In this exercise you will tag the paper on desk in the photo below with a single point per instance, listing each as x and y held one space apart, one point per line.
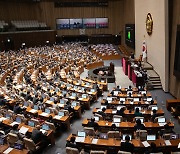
179 145
57 117
80 99
94 141
146 144
44 114
14 123
167 142
162 124
43 131
23 130
33 111
99 110
61 105
2 118
8 150
114 111
49 102
80 139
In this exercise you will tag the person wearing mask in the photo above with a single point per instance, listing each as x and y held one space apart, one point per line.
127 146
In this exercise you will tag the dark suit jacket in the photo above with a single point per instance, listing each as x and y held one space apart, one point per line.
126 146
37 136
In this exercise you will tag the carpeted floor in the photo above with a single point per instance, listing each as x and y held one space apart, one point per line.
121 80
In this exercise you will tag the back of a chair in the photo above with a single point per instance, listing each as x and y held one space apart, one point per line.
70 150
156 119
36 122
30 145
113 134
142 134
166 136
12 138
89 131
98 115
97 152
123 152
51 126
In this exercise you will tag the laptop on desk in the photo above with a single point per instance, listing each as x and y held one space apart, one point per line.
162 121
151 137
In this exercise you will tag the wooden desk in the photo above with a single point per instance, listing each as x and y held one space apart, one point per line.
115 144
126 125
130 115
172 103
14 151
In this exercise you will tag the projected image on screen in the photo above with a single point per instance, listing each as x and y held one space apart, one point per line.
89 23
76 23
62 24
101 22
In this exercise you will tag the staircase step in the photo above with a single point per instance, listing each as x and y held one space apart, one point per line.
155 82
157 87
154 79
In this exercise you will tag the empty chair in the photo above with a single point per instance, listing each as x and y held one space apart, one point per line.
12 138
30 145
113 134
123 152
141 134
70 150
98 152
89 131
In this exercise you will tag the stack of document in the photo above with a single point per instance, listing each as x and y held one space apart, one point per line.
23 130
146 144
80 139
57 117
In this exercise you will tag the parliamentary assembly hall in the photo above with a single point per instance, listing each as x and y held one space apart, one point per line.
89 76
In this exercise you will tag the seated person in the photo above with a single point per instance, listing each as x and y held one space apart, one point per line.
120 112
154 115
139 125
167 130
92 123
35 116
127 146
177 111
68 107
72 143
16 131
103 112
152 149
37 136
17 109
129 88
137 113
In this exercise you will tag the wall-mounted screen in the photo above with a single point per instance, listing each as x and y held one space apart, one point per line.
89 23
62 24
130 35
76 23
101 22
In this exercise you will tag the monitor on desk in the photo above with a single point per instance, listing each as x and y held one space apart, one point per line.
47 110
174 136
26 104
96 118
73 95
45 127
18 119
109 98
52 99
84 96
8 116
61 113
151 137
149 99
61 101
116 120
122 99
154 108
116 93
103 136
161 120
136 99
36 107
74 104
31 123
81 134
103 106
124 136
93 90
143 92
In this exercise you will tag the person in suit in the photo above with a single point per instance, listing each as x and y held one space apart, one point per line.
92 123
28 96
120 112
35 99
137 113
17 109
103 112
152 149
37 136
139 125
127 146
154 115
68 107
72 143
16 131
